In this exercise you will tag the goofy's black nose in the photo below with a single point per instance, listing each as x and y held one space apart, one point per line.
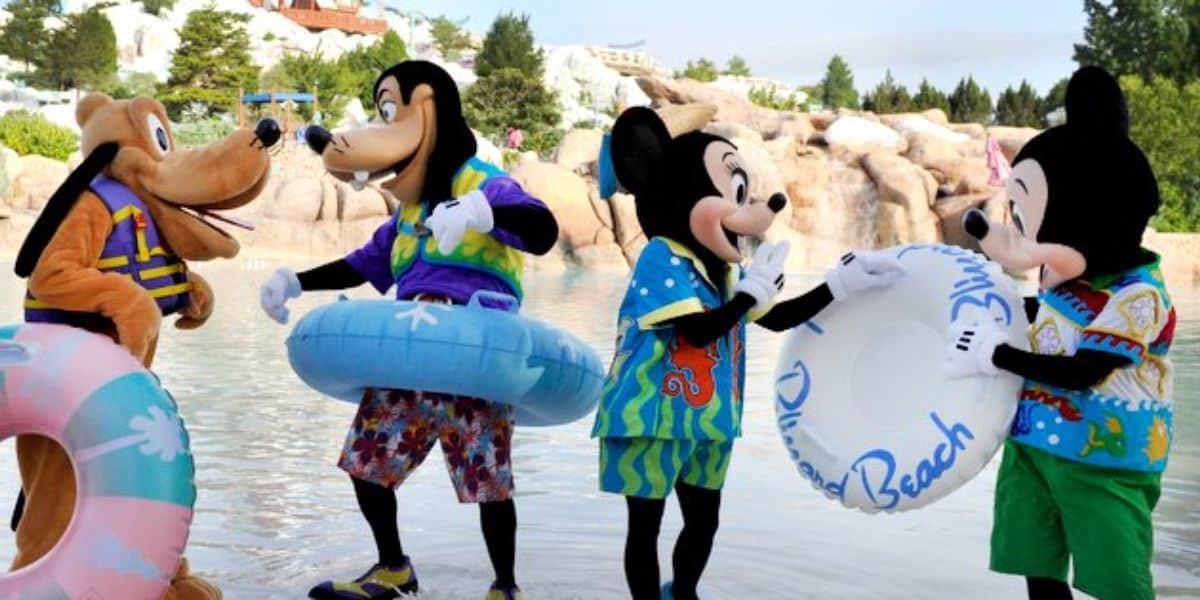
268 132
317 137
777 202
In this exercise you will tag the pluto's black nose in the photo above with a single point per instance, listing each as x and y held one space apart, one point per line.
317 137
268 132
777 202
976 223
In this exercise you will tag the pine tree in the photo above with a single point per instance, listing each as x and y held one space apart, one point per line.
510 98
1020 107
737 67
888 97
1055 99
837 89
509 45
363 65
702 70
448 37
1140 37
82 54
970 103
24 37
211 62
929 97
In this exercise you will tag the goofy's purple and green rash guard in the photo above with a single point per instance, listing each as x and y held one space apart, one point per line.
397 255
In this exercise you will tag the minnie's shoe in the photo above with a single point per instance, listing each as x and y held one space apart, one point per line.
379 583
499 592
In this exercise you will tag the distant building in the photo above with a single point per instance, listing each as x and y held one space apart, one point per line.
318 16
626 62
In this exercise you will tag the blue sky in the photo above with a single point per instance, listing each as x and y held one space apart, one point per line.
999 42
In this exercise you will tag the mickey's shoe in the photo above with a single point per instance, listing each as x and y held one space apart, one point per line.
499 592
379 583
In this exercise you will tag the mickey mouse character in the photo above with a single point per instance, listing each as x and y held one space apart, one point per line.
462 226
1082 468
672 404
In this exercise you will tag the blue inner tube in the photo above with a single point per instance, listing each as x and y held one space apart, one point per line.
550 376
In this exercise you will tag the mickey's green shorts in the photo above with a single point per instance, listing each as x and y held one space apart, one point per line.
649 467
1051 511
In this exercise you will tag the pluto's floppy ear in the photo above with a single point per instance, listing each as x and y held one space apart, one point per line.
60 204
638 147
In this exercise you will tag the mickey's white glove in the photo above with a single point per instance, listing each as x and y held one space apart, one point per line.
971 347
450 220
764 278
274 294
862 271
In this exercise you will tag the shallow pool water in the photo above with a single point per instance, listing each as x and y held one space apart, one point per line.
275 516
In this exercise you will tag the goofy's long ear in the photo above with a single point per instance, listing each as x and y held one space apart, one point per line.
639 144
60 204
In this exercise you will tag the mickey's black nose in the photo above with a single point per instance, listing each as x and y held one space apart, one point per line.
777 202
268 132
976 223
317 137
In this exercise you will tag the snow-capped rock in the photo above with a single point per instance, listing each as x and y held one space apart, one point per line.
585 87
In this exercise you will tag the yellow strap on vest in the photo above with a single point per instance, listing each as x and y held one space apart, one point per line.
139 228
115 262
171 290
157 272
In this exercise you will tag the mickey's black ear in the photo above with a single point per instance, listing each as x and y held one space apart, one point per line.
639 142
1095 104
59 204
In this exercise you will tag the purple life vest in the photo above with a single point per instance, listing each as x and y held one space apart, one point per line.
133 250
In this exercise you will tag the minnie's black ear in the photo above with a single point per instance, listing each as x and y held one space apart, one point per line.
61 203
1095 104
639 142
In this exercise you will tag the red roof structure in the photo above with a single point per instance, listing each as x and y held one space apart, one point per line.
311 16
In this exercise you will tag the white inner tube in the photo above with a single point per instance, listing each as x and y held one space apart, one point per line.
862 404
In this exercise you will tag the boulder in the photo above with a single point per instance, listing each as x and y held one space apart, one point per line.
579 149
730 106
1011 139
857 135
799 127
822 120
38 178
974 130
357 205
628 230
733 131
941 158
916 125
906 193
584 85
297 200
936 115
568 197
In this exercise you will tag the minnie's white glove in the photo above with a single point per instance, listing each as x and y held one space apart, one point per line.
450 220
971 347
274 294
862 271
764 278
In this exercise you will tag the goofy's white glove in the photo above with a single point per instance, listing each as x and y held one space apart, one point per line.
862 271
450 220
764 278
274 294
971 347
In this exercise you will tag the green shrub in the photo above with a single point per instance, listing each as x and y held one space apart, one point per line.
1162 119
770 97
543 141
28 133
199 133
269 36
